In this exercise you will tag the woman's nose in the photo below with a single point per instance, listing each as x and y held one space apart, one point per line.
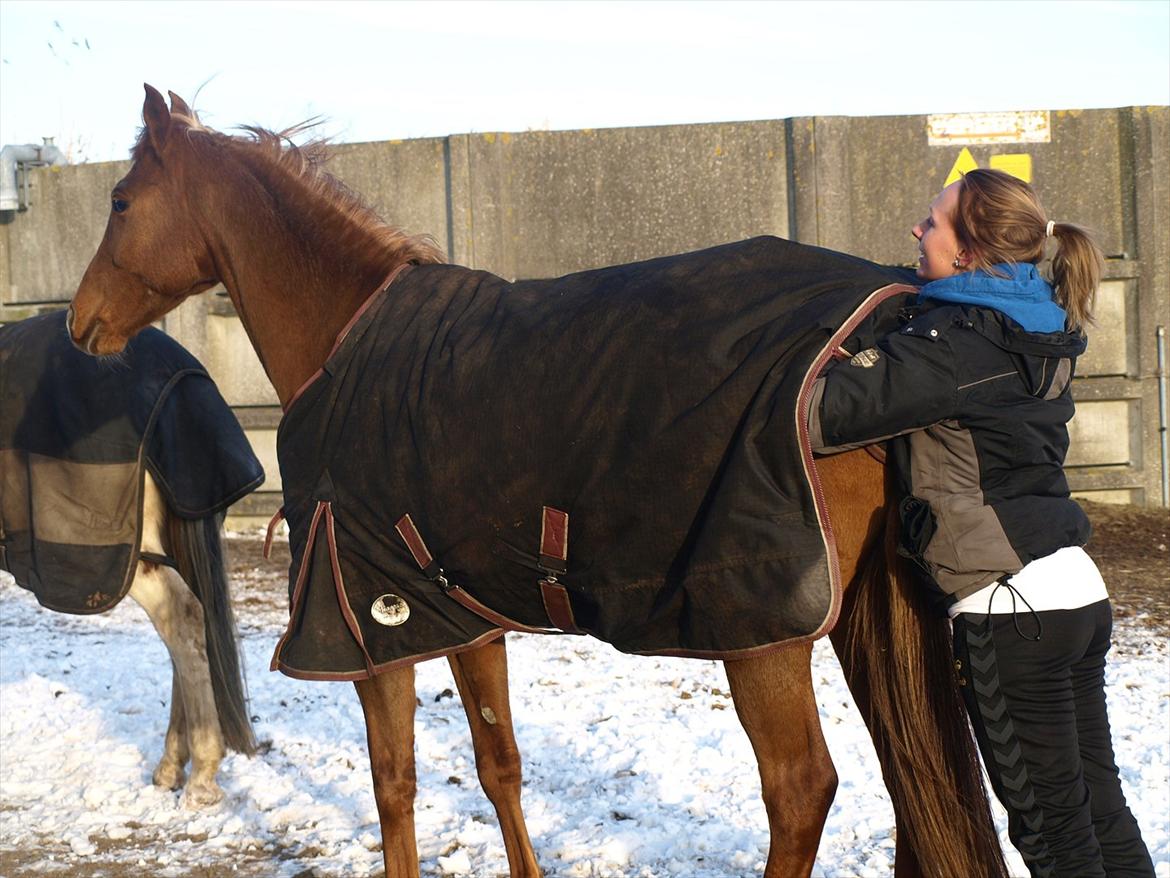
917 231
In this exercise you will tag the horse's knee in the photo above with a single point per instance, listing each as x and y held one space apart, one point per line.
394 792
798 794
499 768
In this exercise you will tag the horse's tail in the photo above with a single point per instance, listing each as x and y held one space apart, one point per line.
901 650
197 549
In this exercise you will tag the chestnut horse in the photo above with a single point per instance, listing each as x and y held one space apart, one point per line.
298 254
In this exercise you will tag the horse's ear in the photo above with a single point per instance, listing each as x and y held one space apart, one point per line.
157 118
179 106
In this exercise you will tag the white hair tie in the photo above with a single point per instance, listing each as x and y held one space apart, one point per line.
1048 229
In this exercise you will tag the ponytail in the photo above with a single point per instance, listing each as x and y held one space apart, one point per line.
1076 272
999 220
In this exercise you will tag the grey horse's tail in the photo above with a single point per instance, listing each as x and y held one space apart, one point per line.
197 549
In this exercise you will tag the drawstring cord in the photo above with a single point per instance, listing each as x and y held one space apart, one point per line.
1003 583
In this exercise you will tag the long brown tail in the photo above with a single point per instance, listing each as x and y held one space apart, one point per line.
898 649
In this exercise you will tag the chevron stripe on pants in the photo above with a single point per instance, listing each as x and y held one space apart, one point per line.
1038 711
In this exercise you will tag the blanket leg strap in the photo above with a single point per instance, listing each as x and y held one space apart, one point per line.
431 569
554 561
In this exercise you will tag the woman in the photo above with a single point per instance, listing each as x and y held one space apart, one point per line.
975 386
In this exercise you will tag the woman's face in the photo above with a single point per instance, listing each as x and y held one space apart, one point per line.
938 248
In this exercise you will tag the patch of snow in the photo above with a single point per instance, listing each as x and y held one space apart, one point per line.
633 767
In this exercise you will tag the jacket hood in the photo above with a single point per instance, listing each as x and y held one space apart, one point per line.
1015 289
1032 353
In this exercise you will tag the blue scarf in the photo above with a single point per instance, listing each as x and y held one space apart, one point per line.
1022 294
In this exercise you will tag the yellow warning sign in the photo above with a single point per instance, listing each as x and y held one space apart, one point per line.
1018 164
964 163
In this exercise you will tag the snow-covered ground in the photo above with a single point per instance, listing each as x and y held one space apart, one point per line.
633 766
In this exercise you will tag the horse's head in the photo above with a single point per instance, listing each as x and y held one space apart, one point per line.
153 254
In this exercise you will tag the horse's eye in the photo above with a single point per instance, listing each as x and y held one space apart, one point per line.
119 205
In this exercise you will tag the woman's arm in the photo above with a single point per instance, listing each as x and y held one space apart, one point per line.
904 383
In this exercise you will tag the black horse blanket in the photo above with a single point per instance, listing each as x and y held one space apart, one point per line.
76 436
620 452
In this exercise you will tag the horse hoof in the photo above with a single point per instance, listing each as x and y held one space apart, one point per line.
199 796
168 776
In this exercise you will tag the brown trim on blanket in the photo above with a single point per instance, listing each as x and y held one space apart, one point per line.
406 661
732 655
339 586
299 588
365 306
485 612
802 404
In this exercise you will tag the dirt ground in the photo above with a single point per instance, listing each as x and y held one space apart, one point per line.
1130 544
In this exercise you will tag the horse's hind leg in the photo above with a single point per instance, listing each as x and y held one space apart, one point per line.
170 772
388 702
194 726
774 699
482 677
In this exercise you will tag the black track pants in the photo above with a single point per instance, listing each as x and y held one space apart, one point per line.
1038 710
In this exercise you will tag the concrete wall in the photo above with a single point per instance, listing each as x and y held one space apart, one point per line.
541 204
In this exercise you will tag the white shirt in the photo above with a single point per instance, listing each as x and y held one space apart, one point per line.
1065 580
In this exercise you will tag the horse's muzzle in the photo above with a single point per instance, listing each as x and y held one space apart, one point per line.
87 343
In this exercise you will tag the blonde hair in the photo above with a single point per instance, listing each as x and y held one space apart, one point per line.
999 219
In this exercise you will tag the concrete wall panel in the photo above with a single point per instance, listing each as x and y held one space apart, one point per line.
51 243
1108 351
542 204
404 181
232 362
1101 433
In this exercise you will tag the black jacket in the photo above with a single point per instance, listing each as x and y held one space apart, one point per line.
980 407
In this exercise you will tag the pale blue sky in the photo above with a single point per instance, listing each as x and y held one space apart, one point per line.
389 70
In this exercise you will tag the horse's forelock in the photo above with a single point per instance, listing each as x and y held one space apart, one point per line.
190 124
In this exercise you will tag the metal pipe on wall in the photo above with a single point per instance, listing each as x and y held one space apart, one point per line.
1161 335
15 160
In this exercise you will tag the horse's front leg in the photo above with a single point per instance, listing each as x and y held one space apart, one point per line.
194 726
388 702
774 698
482 677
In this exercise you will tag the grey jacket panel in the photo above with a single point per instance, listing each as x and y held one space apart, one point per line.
970 548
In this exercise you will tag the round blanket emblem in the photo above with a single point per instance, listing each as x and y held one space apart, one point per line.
390 609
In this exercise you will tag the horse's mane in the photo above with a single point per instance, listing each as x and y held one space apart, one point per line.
297 175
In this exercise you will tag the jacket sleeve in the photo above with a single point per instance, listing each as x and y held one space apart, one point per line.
905 383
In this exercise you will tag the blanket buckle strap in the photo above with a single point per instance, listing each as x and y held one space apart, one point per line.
553 560
432 571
